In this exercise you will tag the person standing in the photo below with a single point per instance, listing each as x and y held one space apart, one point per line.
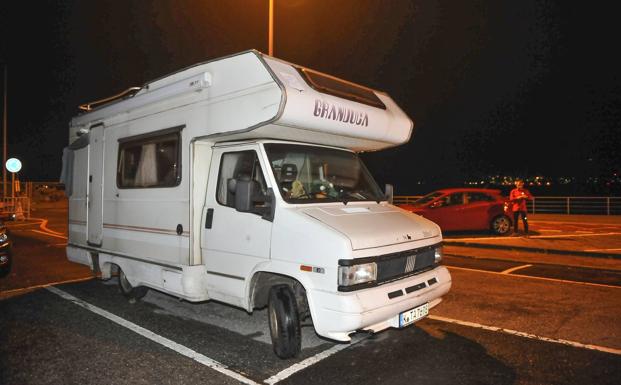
518 197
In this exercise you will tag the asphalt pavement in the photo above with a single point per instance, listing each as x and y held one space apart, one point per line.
512 316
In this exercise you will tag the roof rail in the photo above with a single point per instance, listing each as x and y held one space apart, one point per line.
128 92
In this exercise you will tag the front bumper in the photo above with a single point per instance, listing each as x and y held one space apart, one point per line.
337 315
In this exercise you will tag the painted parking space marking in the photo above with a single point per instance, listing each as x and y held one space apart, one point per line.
575 235
22 290
528 335
183 350
49 234
603 249
310 361
534 277
509 238
511 270
573 223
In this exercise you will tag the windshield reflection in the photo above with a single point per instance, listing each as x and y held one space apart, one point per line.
308 174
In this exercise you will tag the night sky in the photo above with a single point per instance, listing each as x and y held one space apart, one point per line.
494 87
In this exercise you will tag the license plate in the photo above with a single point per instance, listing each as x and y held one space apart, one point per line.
413 315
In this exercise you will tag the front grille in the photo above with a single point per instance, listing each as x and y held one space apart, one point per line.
409 262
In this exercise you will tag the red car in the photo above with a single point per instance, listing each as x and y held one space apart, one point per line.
460 209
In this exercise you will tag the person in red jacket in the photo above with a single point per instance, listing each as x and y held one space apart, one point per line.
518 197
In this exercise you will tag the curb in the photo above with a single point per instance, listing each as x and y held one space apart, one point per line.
534 249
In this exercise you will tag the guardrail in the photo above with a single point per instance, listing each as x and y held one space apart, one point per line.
557 205
576 205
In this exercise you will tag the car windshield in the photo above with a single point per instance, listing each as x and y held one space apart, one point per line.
308 174
427 198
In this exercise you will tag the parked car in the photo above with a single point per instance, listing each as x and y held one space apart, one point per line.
460 209
6 258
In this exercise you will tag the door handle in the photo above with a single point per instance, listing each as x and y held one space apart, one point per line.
209 218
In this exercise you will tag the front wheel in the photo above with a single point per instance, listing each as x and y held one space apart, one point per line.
128 290
501 225
284 321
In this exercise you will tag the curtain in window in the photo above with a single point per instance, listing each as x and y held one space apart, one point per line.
147 166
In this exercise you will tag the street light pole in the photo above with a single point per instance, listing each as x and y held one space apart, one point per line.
271 30
4 120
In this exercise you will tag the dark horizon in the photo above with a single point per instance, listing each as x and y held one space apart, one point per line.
494 88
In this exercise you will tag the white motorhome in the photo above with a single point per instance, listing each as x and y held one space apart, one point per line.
238 180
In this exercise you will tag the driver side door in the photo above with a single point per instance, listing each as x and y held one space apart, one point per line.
232 242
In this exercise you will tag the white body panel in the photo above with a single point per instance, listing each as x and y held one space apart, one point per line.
159 237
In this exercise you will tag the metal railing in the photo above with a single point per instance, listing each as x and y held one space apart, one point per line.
557 205
576 205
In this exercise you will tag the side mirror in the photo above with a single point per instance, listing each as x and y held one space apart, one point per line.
250 199
389 193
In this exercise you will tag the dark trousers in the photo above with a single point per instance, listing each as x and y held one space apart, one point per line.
516 216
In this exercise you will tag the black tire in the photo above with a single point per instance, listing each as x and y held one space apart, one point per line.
284 321
501 225
128 290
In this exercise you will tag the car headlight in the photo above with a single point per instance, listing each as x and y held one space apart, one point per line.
357 274
3 237
439 253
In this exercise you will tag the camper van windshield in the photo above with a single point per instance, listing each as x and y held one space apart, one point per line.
307 174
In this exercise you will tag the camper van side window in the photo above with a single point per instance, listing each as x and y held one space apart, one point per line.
149 162
240 165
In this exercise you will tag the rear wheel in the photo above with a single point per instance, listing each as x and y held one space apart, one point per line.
501 225
128 290
284 321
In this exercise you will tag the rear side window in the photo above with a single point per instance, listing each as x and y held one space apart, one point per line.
149 161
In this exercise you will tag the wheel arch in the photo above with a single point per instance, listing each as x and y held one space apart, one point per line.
261 283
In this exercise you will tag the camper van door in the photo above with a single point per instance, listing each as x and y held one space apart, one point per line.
233 243
95 185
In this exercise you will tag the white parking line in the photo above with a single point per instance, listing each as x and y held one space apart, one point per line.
574 235
31 288
511 270
572 223
49 234
185 351
509 238
602 250
215 365
528 335
309 361
533 277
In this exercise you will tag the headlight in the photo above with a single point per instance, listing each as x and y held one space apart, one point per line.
438 255
356 274
3 237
